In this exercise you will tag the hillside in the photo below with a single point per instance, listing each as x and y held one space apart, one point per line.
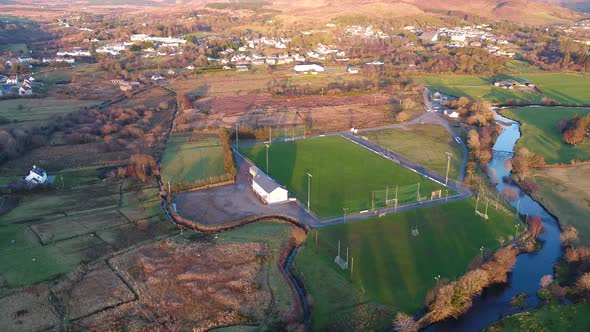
526 11
521 11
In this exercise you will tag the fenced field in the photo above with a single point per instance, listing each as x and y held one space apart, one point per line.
343 175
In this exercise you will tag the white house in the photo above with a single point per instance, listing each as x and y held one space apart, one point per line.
266 188
452 114
352 70
309 68
36 176
25 90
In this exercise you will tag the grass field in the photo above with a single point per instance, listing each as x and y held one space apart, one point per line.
35 111
569 89
344 174
15 48
46 234
551 317
540 133
565 88
391 266
566 193
423 144
189 157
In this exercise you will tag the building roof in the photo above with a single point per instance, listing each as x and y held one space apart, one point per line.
266 183
39 171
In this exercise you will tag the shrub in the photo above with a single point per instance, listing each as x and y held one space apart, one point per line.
583 282
536 226
546 280
405 323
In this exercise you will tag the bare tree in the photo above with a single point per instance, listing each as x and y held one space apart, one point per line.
569 236
405 323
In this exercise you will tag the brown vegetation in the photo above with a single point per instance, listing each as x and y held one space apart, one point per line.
524 160
575 131
455 298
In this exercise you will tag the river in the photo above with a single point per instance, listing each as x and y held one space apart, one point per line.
495 302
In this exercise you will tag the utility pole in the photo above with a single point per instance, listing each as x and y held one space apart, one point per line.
449 155
309 176
418 193
351 267
266 159
373 201
270 135
237 137
345 209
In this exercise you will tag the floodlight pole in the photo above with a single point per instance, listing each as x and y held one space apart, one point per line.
309 176
449 155
345 209
266 159
481 250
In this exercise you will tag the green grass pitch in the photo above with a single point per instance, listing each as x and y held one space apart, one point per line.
391 266
344 174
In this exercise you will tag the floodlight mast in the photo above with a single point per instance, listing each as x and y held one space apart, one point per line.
449 155
309 176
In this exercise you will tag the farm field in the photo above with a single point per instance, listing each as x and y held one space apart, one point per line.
550 317
565 192
565 88
540 132
34 110
189 157
568 89
391 266
344 174
17 48
423 144
46 234
240 268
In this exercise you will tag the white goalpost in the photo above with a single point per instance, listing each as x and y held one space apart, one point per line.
341 262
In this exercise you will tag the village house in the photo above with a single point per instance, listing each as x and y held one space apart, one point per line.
352 69
309 68
36 176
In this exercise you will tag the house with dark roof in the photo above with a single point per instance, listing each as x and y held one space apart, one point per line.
36 176
268 190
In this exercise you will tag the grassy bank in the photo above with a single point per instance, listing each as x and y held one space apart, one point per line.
554 317
564 192
423 144
541 134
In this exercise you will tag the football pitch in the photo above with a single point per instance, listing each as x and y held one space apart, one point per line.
396 257
344 175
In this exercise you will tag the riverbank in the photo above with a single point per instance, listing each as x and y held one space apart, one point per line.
530 267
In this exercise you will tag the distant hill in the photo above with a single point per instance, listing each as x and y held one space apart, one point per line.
525 11
522 11
579 5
